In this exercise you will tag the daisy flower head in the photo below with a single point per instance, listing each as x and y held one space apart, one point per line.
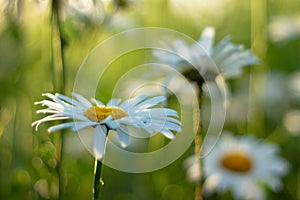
204 59
244 166
86 11
140 111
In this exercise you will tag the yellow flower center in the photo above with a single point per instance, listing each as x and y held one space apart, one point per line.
99 113
237 162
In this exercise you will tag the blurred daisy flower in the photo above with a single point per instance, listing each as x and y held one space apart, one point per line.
204 59
284 28
244 166
193 168
294 84
141 112
86 11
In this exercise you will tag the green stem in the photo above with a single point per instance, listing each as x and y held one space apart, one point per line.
98 183
194 76
59 85
58 49
198 139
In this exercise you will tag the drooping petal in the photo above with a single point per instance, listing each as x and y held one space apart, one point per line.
99 142
123 136
49 118
167 133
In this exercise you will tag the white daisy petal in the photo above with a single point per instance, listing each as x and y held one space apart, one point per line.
69 100
99 142
173 120
50 111
50 104
167 133
207 39
49 118
158 125
134 101
82 100
123 136
273 181
112 124
60 127
238 59
113 102
223 50
182 49
151 102
80 125
211 183
98 103
162 112
172 126
166 57
56 99
78 116
50 96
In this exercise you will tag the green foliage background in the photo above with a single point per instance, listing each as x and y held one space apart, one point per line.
28 159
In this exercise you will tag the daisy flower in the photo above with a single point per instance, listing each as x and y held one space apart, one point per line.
141 112
244 166
195 60
86 11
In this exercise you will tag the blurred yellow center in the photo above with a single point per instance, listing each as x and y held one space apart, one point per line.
237 162
99 113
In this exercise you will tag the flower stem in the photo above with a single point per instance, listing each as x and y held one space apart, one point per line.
58 49
194 76
198 141
98 183
59 85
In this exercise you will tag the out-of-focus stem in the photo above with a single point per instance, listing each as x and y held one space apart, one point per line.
257 79
198 144
58 49
59 84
